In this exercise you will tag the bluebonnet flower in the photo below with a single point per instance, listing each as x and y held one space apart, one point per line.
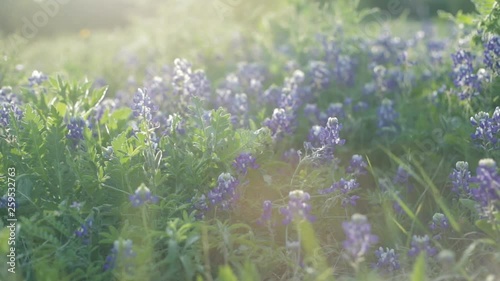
487 129
200 206
326 138
492 54
387 115
121 254
225 193
357 166
37 78
342 185
298 207
83 231
359 238
267 212
419 244
188 83
439 224
75 129
344 70
319 74
272 95
243 162
282 122
9 103
387 260
487 193
402 176
351 200
460 177
143 106
141 196
463 74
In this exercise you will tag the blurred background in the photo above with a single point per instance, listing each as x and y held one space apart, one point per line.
99 14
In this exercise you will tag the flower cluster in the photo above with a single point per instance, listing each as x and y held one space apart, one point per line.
141 196
267 212
439 224
37 78
281 123
387 260
326 138
83 232
419 244
121 254
464 78
359 238
492 54
224 194
487 193
143 106
487 129
387 115
188 83
243 162
75 129
298 207
460 178
357 166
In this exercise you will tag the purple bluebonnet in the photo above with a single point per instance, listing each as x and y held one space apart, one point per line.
350 200
359 238
37 78
298 207
243 162
492 54
342 185
141 196
402 176
326 139
464 78
281 123
319 74
439 224
387 115
387 260
292 156
188 83
200 206
225 193
357 166
122 254
143 106
419 244
9 104
487 129
84 231
460 178
75 127
267 212
487 192
344 70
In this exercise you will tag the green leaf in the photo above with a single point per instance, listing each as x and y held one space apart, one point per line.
418 273
486 227
468 203
484 7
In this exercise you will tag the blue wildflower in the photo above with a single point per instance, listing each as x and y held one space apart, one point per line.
225 193
141 196
37 78
267 212
387 260
359 238
357 166
298 207
419 244
75 129
487 129
387 115
243 162
487 193
121 254
460 178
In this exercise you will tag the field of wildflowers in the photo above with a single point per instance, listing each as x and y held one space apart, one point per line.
324 145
